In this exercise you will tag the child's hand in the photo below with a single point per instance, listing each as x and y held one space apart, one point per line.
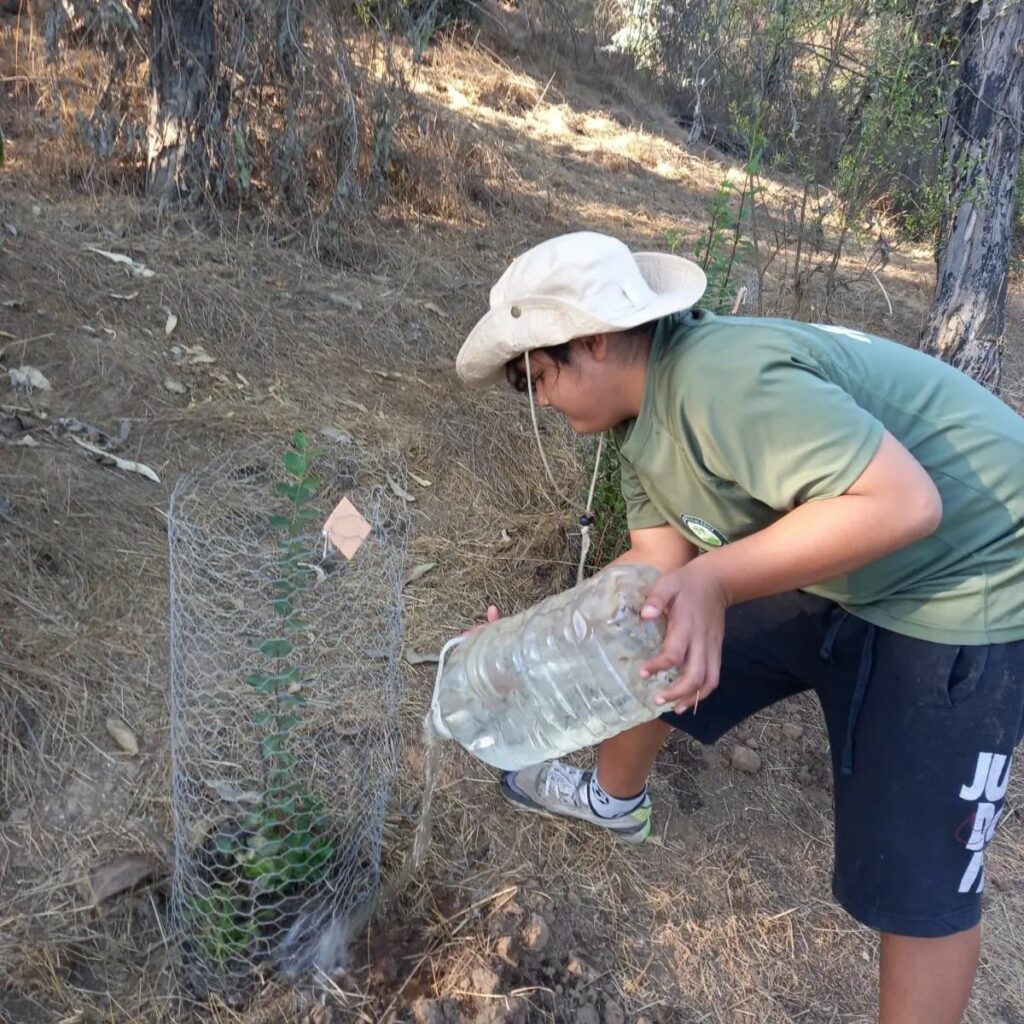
492 616
694 603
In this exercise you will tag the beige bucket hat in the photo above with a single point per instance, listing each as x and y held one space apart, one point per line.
570 287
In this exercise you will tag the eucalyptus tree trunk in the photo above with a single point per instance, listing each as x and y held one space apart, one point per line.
183 73
983 134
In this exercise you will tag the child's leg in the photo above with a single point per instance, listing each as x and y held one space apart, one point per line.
927 981
625 761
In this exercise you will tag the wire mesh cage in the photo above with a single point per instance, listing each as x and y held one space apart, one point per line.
284 684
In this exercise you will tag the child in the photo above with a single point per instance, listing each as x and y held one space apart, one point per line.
858 508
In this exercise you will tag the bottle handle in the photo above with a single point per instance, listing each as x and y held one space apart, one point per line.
435 705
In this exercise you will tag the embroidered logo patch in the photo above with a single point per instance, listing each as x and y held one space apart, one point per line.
704 531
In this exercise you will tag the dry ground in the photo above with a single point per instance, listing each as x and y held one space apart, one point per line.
725 916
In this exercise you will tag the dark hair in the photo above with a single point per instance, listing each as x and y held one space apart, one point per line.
515 370
628 344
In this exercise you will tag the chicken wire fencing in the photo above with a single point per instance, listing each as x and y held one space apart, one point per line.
284 688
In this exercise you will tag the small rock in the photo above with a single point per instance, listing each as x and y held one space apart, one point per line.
536 933
753 744
587 1014
122 735
744 759
484 981
175 386
508 948
116 876
434 1011
792 731
613 1013
578 966
804 776
510 1010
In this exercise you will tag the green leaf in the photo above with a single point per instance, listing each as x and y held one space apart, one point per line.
271 745
280 522
224 844
276 647
291 700
287 490
264 718
287 722
300 440
283 606
295 625
296 463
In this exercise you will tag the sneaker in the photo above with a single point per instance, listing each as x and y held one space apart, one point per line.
559 790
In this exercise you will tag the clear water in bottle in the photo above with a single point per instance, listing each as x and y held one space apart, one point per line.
562 675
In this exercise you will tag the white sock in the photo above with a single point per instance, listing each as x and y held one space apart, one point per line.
604 805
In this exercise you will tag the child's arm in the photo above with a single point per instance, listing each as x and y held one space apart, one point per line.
891 504
662 547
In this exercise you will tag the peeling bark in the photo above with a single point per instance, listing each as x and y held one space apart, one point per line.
982 138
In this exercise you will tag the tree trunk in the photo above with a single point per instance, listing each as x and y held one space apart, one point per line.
183 73
982 139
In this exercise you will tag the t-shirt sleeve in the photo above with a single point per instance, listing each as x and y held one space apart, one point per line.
768 418
641 513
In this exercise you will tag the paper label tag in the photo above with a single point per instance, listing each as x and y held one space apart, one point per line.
346 529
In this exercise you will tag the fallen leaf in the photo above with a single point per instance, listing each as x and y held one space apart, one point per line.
124 296
118 875
422 481
28 379
26 441
126 464
7 334
122 735
133 267
175 386
504 541
198 356
336 435
356 405
417 572
399 491
387 374
231 793
11 229
340 299
14 304
419 658
435 309
172 322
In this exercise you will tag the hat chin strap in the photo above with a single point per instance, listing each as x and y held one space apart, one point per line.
587 519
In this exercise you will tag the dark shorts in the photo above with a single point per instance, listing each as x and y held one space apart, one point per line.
921 734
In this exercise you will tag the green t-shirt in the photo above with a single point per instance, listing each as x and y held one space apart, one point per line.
743 419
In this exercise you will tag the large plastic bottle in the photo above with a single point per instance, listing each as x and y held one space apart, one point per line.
559 676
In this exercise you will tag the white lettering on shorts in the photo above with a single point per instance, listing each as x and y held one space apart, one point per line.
988 787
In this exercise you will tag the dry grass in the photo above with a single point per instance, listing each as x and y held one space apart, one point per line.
726 917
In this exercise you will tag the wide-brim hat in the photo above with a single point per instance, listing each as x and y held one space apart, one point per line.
573 286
